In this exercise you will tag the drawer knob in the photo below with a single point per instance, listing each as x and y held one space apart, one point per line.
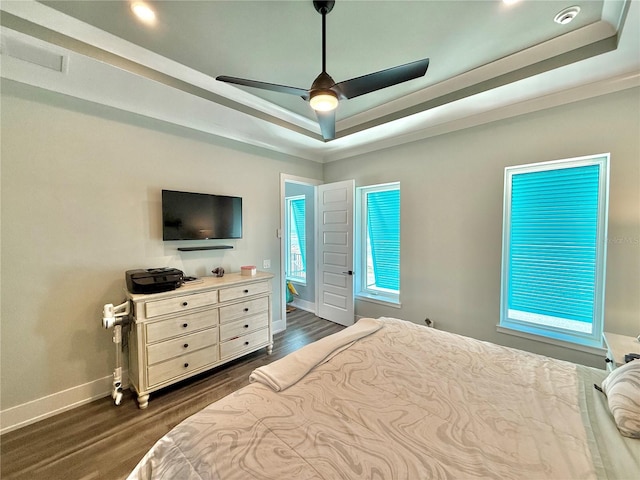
246 291
608 360
184 304
186 345
246 326
246 309
185 325
186 365
246 343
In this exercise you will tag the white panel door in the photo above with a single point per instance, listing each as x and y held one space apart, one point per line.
335 252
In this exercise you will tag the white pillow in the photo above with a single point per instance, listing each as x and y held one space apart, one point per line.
622 388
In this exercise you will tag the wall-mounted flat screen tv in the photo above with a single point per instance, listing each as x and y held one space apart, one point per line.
200 216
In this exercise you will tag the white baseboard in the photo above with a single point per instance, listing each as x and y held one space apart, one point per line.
304 305
278 326
45 407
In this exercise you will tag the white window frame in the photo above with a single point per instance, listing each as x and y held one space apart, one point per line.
362 291
288 210
591 342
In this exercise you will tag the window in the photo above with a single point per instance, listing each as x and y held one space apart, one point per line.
378 242
554 249
296 239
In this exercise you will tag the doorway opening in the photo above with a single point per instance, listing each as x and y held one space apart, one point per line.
298 236
317 248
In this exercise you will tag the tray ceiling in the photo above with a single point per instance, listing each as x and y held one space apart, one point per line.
477 50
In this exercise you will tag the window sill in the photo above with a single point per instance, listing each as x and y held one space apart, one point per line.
379 300
553 341
297 282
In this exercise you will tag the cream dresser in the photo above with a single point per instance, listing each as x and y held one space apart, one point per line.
175 335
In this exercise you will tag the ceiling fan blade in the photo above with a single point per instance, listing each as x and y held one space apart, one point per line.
382 79
301 92
327 121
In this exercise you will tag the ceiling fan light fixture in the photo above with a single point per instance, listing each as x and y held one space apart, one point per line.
324 101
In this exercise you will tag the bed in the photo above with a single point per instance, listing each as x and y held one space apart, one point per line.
388 399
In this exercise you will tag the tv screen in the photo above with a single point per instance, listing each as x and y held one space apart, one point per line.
200 216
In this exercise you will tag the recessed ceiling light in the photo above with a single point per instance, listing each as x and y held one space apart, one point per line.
143 12
510 2
566 15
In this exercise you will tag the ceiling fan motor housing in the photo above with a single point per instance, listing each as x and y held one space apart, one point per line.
323 82
322 96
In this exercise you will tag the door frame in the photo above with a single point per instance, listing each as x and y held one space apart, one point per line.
284 179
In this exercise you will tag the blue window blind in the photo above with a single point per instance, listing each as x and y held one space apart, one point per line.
383 229
555 249
296 244
554 226
298 215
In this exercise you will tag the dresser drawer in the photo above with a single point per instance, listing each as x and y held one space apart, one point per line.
244 326
180 303
243 291
161 372
172 327
246 342
162 351
243 309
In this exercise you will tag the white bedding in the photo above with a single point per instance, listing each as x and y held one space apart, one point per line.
402 402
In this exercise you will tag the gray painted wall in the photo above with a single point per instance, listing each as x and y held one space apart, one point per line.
452 194
80 204
81 191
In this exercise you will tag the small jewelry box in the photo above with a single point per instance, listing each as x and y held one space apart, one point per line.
248 270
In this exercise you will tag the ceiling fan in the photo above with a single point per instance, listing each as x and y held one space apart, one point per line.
325 94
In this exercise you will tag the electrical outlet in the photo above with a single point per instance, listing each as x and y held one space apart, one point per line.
266 264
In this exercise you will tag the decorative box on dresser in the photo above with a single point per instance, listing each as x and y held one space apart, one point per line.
175 335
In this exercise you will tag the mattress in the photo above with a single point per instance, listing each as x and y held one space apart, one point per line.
388 399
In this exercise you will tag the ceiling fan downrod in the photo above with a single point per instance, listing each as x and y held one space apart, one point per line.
323 8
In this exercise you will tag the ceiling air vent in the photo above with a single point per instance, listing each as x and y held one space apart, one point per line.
29 53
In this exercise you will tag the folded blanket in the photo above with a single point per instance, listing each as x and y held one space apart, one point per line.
285 372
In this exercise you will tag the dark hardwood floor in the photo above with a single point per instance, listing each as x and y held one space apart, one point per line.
103 441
